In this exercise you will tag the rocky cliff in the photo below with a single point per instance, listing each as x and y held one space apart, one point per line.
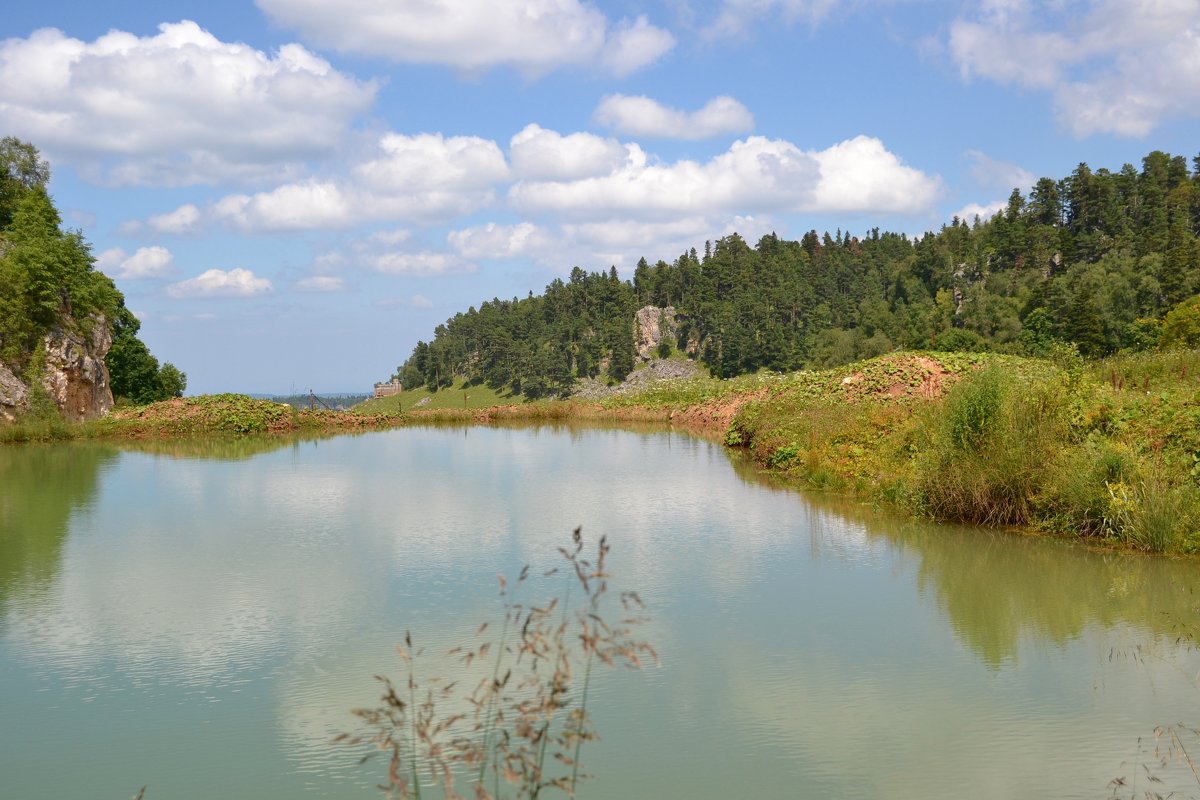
74 374
652 327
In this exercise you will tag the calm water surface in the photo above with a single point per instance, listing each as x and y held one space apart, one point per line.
202 621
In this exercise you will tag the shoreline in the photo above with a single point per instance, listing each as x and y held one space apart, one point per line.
1060 453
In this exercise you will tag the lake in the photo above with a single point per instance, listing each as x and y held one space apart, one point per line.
201 618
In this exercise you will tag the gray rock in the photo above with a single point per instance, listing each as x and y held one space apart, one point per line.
75 374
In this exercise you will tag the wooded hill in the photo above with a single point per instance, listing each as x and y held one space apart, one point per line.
1095 259
48 282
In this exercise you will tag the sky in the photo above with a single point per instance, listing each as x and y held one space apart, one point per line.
292 193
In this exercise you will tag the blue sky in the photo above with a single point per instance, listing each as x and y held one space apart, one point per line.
291 193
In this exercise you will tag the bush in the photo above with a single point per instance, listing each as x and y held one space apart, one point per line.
973 410
1181 327
994 448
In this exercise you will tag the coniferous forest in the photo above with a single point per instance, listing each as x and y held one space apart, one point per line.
1094 260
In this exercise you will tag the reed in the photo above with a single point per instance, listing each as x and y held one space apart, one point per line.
527 717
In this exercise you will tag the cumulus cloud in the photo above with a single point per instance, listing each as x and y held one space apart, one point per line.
220 283
292 207
398 252
1111 66
419 263
642 116
420 301
541 154
425 178
493 241
601 243
180 107
755 175
431 176
534 36
321 283
968 212
185 219
146 262
634 45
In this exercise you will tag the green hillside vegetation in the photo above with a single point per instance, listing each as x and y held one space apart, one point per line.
48 280
455 395
1107 450
1096 259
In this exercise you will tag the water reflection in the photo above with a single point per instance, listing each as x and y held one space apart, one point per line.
807 642
42 486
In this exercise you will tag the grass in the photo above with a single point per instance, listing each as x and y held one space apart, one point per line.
1003 441
460 396
527 698
1108 450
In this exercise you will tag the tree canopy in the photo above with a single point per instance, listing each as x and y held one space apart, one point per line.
47 279
1091 259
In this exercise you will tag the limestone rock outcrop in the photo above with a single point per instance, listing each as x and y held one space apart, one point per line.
74 374
13 394
653 326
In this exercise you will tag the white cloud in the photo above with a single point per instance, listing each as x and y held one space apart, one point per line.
534 36
860 174
755 175
420 263
292 207
642 116
219 283
430 176
601 243
736 16
420 301
396 252
147 262
185 219
968 212
492 241
321 283
634 45
425 178
541 154
1112 66
180 107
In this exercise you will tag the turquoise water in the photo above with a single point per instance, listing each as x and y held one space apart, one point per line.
203 619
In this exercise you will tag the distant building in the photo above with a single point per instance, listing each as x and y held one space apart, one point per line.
388 389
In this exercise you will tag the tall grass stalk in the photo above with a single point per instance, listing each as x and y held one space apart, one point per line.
523 721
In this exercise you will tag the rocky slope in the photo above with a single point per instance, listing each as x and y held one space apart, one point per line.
74 374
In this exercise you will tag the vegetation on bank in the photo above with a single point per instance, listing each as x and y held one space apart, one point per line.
48 280
1096 259
1108 450
456 395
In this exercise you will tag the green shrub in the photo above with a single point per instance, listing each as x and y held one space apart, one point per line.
1153 514
973 410
1181 326
993 452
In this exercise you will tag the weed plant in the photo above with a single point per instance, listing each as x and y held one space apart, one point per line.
526 717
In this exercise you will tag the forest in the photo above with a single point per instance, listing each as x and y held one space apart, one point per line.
47 279
1094 261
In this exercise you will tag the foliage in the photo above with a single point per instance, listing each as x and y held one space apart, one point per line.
1181 326
1092 261
526 705
135 374
47 281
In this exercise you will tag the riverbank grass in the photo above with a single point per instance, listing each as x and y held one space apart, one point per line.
459 396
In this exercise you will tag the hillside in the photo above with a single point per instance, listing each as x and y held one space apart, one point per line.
1094 260
68 345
